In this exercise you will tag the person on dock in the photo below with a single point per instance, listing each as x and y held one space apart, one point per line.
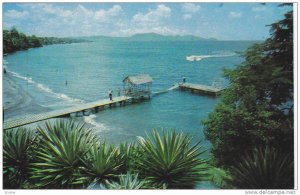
119 91
110 95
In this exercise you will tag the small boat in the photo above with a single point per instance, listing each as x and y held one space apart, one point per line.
193 58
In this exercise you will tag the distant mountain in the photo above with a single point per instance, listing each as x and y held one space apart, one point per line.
158 37
150 37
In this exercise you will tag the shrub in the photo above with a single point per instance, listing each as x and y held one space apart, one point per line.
168 161
128 181
57 160
129 153
17 149
264 168
102 163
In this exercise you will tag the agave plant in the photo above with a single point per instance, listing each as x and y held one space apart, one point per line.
129 153
101 163
168 161
17 145
264 168
128 181
58 159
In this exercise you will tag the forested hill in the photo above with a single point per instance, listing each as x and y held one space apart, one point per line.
13 40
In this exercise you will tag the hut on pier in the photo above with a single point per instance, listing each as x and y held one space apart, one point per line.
138 86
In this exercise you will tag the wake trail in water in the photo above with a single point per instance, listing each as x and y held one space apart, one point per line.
165 91
201 57
45 89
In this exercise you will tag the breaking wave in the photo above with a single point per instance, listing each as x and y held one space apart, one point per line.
91 120
46 89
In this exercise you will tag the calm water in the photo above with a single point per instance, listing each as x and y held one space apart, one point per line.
91 69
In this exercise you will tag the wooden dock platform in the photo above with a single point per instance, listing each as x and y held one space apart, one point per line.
202 89
12 123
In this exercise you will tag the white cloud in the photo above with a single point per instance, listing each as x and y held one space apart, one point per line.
259 9
190 7
153 16
17 14
155 20
233 14
187 16
53 20
103 15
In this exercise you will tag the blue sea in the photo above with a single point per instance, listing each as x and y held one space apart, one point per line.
92 68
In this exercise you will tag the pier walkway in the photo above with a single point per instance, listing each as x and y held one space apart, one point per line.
203 89
12 123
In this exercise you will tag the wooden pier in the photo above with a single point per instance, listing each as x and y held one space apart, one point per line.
100 104
201 89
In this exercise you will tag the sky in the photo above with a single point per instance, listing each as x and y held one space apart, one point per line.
223 21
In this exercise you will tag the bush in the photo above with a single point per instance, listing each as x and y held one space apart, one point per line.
128 181
17 150
264 168
168 161
58 157
129 153
101 164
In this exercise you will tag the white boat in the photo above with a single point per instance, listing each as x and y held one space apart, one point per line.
193 58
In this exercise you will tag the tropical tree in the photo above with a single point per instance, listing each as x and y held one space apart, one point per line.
17 154
257 107
60 146
170 161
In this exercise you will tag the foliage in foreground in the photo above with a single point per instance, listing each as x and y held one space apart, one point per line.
57 160
16 157
128 181
264 168
170 161
66 155
102 163
257 108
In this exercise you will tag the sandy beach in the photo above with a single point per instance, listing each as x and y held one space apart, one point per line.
16 102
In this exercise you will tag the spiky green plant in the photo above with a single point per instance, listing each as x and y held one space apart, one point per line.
101 163
129 153
264 168
17 145
128 181
169 161
58 159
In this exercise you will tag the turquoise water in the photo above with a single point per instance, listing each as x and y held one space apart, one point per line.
92 68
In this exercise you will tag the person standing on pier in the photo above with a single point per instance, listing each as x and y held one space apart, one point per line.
110 94
119 91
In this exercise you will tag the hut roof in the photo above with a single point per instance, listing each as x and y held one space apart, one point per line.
138 79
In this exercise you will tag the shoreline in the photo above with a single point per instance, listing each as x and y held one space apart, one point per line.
16 101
